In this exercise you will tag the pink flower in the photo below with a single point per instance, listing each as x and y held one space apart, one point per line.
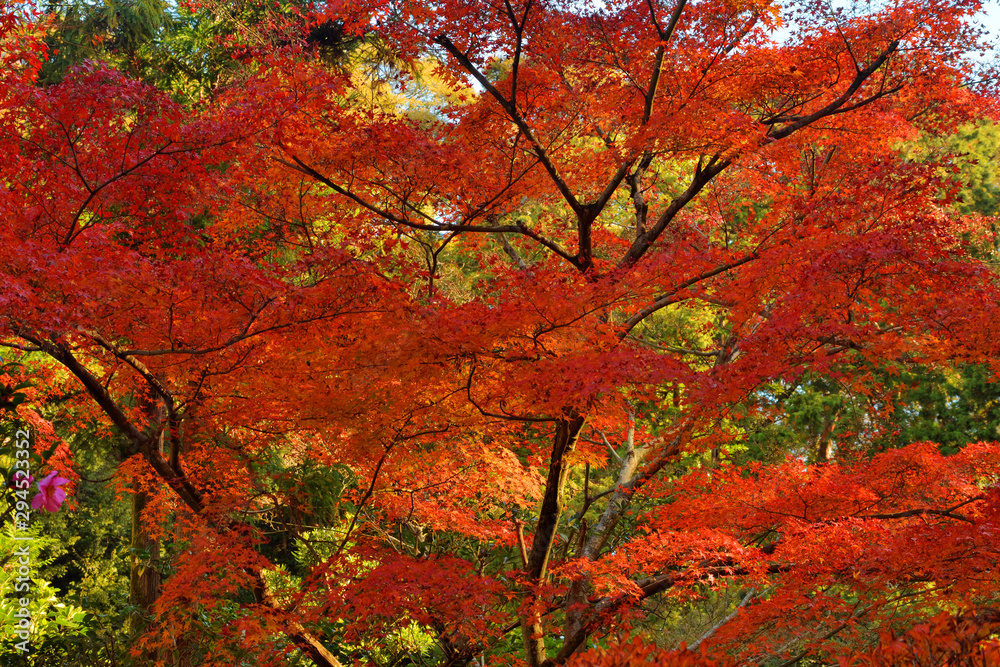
51 497
18 479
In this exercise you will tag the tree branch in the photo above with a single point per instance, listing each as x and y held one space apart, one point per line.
703 174
835 106
669 298
510 107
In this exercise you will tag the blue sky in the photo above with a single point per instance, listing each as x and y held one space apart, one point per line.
991 15
990 18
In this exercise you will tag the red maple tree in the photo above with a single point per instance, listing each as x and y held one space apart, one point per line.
516 333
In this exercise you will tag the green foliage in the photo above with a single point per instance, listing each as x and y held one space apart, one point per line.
89 560
51 619
117 30
951 407
185 49
807 419
79 589
973 153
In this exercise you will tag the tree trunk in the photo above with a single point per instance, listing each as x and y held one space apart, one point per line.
144 578
824 443
567 432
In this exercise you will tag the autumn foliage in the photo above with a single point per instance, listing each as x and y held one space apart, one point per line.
941 641
461 337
